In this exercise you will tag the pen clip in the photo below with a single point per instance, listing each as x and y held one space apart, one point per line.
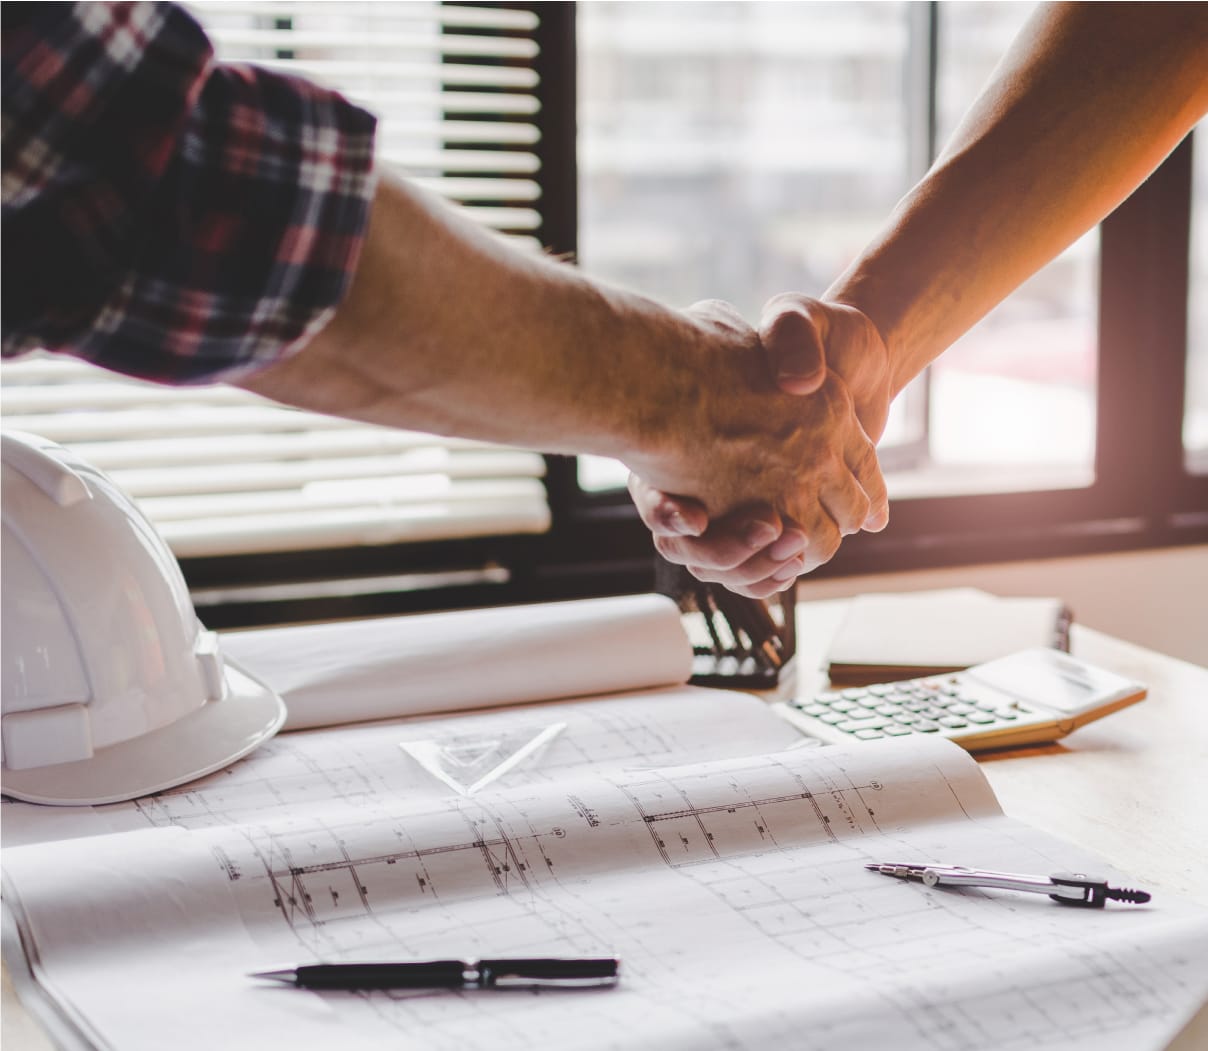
547 972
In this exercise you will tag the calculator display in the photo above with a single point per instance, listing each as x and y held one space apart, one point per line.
1052 679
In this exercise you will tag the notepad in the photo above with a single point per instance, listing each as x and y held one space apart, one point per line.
902 636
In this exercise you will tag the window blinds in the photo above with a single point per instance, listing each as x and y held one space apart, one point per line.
223 472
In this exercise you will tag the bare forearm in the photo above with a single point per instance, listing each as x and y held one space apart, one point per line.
1087 103
447 329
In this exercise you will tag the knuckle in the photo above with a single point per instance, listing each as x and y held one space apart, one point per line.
857 513
702 573
670 550
830 547
760 589
660 517
865 463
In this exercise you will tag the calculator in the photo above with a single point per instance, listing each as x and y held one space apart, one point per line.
1029 697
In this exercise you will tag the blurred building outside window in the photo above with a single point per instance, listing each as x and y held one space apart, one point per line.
736 150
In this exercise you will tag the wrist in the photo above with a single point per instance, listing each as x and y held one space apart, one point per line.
661 381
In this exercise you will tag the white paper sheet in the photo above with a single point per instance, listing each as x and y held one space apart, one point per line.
733 890
378 669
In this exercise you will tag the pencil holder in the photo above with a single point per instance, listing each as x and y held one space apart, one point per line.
737 643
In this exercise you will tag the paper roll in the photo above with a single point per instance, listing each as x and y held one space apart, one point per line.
387 667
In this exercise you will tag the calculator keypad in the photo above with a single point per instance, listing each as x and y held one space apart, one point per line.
946 707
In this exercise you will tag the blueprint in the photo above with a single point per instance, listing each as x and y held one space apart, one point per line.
681 830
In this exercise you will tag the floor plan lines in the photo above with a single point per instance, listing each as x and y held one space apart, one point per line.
709 816
320 874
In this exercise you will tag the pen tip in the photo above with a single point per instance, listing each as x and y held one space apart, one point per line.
288 975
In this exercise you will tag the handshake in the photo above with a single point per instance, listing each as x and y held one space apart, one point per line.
769 458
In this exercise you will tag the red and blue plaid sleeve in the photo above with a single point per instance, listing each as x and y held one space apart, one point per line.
164 215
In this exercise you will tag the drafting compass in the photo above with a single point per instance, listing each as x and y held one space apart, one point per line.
1066 888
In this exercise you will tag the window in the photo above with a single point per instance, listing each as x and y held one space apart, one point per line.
1048 428
742 149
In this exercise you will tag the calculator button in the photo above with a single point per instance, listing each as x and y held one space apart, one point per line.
843 706
867 734
863 724
895 730
814 709
880 690
953 722
981 718
926 726
960 708
1005 713
930 713
833 717
907 718
914 706
854 694
861 713
887 709
826 697
898 697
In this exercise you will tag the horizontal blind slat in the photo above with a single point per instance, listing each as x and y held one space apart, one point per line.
350 73
384 44
172 417
378 492
230 478
437 160
499 132
69 397
253 535
470 189
504 218
513 103
245 447
216 13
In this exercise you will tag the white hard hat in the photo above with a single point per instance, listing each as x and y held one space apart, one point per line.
112 688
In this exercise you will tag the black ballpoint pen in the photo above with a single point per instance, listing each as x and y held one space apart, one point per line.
525 972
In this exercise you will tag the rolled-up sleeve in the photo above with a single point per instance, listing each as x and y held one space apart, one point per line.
165 215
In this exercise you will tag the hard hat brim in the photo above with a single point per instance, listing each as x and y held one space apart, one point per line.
200 743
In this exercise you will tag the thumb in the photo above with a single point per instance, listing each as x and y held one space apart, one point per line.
792 344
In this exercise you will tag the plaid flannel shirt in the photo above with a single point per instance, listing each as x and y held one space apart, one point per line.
164 215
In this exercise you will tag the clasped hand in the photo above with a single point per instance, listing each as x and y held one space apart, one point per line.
789 467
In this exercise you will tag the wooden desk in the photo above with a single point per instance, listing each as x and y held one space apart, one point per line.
1129 788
